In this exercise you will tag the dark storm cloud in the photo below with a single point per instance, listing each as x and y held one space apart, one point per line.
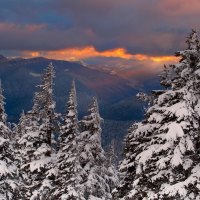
38 37
148 27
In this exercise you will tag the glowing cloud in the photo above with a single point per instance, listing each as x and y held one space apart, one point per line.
142 57
79 53
73 54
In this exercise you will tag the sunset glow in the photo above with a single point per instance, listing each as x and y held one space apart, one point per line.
79 53
142 57
73 54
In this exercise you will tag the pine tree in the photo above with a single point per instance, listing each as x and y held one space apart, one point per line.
111 165
8 169
162 152
19 131
3 116
44 105
20 126
69 169
37 157
97 179
110 154
127 167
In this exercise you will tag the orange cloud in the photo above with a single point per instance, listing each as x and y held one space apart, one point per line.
90 51
142 57
79 53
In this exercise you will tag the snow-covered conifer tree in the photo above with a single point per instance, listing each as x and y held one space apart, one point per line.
8 169
20 126
37 159
97 179
110 153
162 152
111 165
19 131
69 169
44 104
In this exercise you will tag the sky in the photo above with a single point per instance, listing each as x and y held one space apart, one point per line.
136 35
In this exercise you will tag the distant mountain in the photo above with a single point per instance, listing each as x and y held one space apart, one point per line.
3 59
20 76
116 96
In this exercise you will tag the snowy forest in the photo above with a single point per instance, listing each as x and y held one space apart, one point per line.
49 155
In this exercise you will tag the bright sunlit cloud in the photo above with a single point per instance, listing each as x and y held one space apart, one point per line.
73 54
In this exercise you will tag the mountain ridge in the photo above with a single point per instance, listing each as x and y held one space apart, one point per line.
14 73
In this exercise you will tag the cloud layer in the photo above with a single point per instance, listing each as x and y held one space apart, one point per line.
144 27
128 37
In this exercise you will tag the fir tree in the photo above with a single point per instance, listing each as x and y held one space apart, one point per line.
111 165
37 158
8 169
44 105
3 116
69 169
19 131
162 152
110 154
97 179
20 126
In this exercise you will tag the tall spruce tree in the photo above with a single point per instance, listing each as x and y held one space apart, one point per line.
8 169
97 179
37 158
19 131
69 169
110 154
162 152
111 165
44 104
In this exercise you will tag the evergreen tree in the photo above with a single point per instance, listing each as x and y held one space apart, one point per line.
97 179
44 105
19 131
69 169
111 163
110 154
162 152
3 116
37 158
8 169
20 126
